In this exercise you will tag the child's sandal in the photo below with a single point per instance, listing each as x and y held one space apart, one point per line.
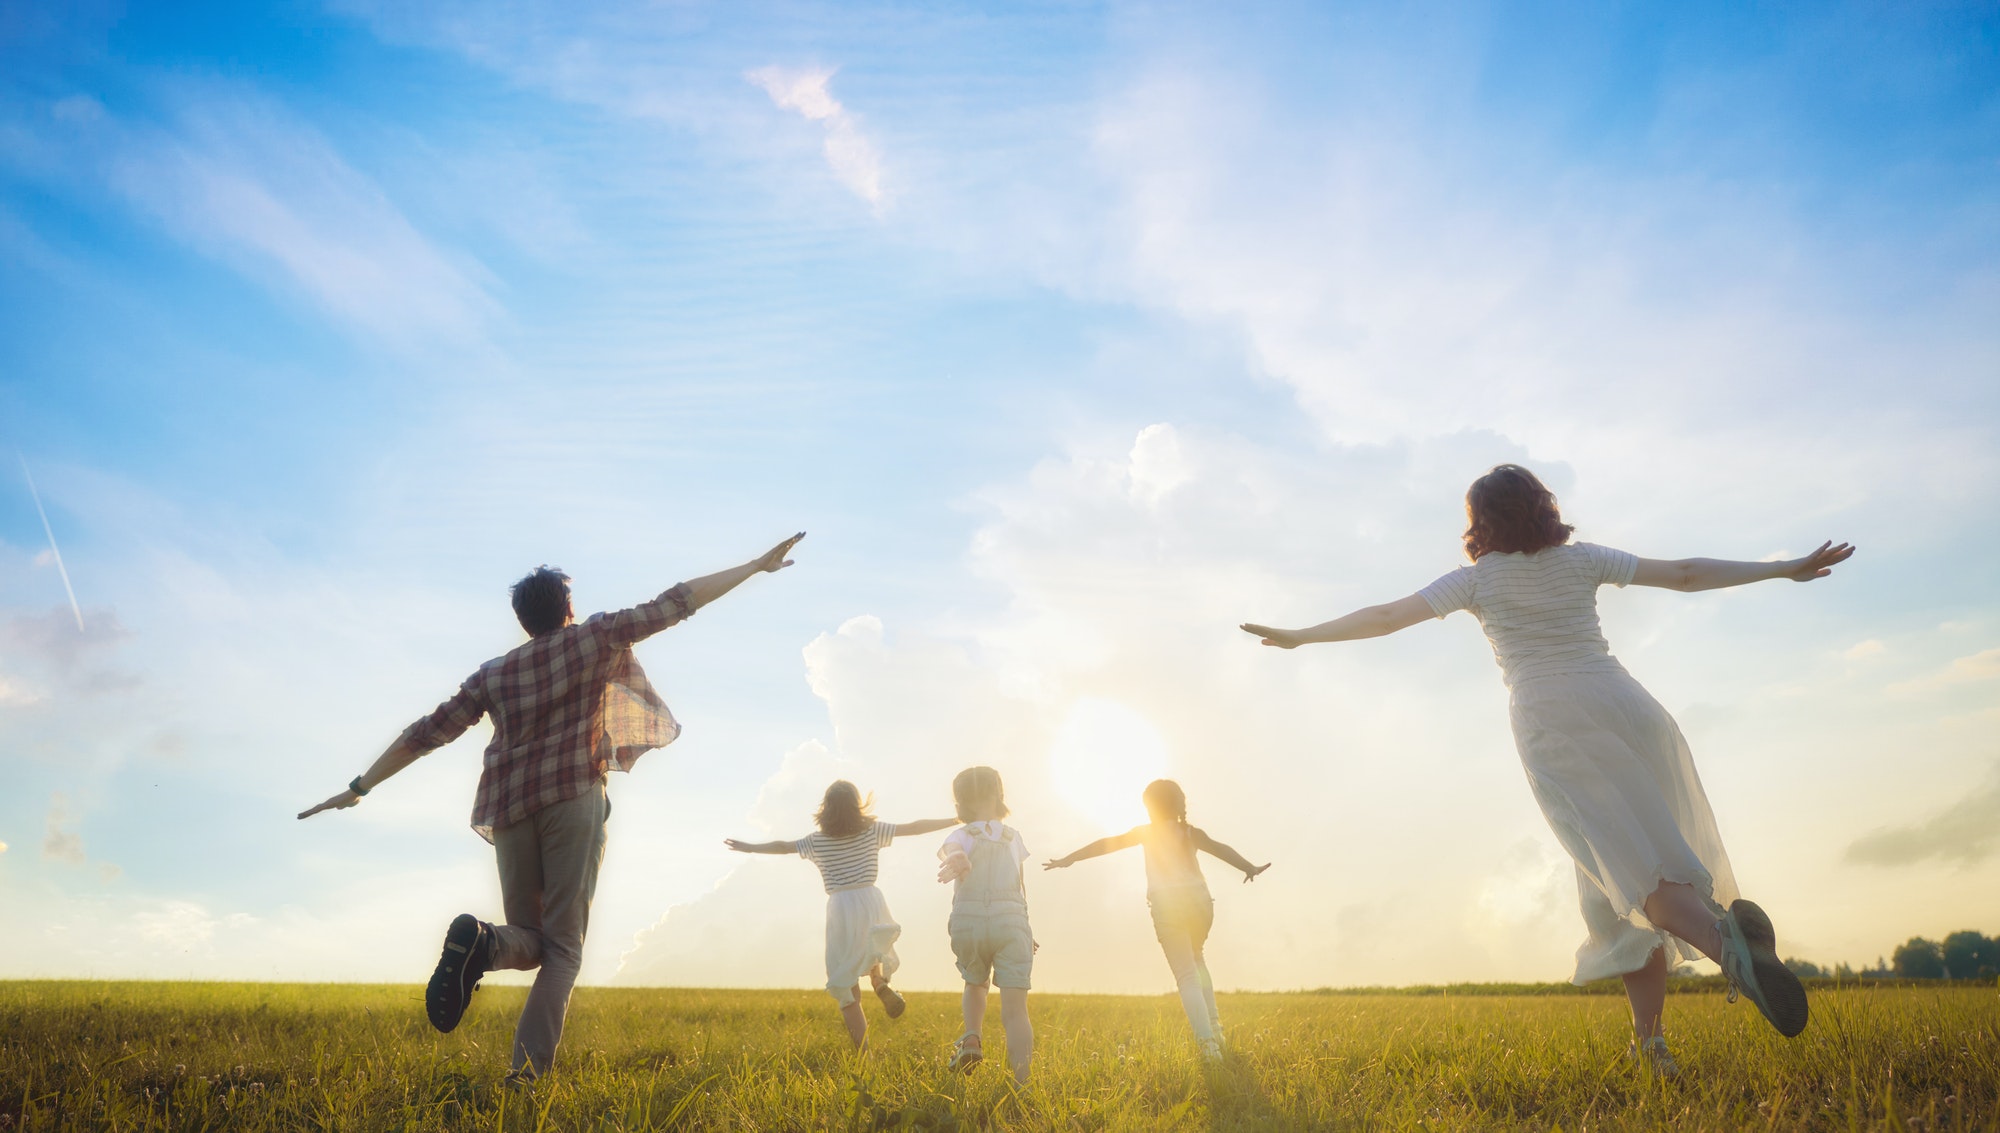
967 1054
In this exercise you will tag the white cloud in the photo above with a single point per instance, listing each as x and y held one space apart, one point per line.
1974 669
1862 650
1110 657
60 843
849 154
243 180
58 658
1981 666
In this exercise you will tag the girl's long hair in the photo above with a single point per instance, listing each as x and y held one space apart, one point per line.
842 812
975 786
1509 510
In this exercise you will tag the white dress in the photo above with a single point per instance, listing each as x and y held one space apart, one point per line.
860 932
1608 765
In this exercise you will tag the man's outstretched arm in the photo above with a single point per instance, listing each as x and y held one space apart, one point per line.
709 587
445 724
648 618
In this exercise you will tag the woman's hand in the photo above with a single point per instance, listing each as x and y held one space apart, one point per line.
1250 875
1057 863
1819 564
738 846
341 801
1282 638
774 559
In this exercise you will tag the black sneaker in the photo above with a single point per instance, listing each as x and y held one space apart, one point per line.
468 953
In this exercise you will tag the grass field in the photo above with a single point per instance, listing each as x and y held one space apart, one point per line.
77 1055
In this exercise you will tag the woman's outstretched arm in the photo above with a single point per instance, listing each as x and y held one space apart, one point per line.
1714 574
1228 854
1369 621
761 847
1096 849
924 826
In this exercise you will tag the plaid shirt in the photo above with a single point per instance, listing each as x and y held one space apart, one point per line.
567 707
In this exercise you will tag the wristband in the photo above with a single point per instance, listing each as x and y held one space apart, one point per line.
356 786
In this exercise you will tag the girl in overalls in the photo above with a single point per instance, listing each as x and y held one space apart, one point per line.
1183 912
989 918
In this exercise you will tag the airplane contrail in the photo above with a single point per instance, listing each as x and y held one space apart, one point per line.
57 551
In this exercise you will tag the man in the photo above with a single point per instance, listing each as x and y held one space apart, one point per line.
567 706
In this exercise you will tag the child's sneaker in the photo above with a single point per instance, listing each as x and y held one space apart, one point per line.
892 1001
1654 1056
1750 962
966 1054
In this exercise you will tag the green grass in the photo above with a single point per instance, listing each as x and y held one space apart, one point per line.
182 1056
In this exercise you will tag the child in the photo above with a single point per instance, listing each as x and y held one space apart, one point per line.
860 933
989 918
1183 911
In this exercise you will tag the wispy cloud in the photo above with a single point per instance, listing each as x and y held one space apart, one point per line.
243 180
852 157
1974 669
1966 832
60 841
61 658
53 548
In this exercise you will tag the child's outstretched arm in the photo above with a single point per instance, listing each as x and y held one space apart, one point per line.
1227 853
1369 621
924 826
761 847
1097 849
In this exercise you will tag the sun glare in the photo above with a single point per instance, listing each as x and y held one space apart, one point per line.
1103 756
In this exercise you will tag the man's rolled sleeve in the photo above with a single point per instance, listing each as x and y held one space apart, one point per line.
447 722
642 621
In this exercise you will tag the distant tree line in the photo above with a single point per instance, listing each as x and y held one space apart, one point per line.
1963 956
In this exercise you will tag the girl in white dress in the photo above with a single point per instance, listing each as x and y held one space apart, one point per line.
1606 762
1177 894
860 933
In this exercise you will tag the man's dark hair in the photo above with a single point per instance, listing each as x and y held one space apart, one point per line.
541 600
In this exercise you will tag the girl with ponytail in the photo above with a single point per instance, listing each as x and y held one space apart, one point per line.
1183 911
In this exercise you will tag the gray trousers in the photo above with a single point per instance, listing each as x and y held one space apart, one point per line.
548 874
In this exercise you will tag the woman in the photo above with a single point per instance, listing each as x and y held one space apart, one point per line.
1609 767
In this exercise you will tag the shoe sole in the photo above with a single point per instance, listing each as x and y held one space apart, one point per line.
892 1003
1784 997
452 982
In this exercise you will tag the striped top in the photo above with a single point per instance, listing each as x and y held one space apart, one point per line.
847 863
1539 611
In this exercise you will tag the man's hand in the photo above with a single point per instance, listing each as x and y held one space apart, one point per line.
1282 638
341 801
774 559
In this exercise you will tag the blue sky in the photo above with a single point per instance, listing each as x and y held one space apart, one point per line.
1074 335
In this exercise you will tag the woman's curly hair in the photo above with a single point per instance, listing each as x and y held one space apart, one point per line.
1509 510
843 813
